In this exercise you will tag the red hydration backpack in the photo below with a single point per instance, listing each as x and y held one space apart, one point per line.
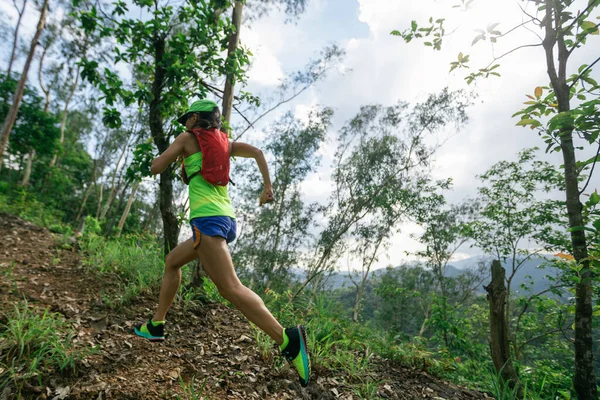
214 146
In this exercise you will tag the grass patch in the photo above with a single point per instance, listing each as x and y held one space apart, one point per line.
34 344
136 263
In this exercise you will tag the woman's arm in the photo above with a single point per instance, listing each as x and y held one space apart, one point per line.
161 163
245 150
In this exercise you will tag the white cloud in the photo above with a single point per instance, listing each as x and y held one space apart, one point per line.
266 69
317 187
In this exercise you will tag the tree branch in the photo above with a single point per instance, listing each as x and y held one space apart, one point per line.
581 39
540 336
516 27
274 107
584 71
512 51
592 171
582 14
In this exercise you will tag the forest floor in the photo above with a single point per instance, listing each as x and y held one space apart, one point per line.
211 345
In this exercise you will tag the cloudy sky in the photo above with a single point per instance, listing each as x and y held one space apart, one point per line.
382 69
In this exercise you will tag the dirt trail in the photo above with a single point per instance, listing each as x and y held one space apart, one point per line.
212 344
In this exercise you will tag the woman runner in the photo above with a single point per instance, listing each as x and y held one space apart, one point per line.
213 227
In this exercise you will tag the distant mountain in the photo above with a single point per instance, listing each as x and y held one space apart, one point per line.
531 268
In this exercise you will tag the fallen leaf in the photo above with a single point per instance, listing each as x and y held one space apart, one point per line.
243 338
61 393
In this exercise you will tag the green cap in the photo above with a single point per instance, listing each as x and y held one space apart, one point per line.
198 106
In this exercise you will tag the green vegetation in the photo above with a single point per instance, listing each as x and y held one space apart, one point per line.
35 343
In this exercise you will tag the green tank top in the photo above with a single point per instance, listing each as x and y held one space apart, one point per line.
206 200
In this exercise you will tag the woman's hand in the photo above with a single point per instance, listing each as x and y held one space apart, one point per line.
266 196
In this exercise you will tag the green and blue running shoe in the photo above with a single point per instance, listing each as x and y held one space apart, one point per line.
295 351
151 330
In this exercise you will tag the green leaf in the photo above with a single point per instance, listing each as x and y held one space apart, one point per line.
477 39
590 27
525 122
594 198
592 160
395 33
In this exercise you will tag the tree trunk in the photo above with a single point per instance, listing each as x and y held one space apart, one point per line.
150 216
111 222
234 39
499 339
11 60
44 88
46 91
63 121
585 379
28 167
170 223
86 195
198 275
360 289
11 116
357 301
425 323
127 208
100 201
445 309
114 186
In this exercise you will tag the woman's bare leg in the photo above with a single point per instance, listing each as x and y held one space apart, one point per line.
177 258
215 257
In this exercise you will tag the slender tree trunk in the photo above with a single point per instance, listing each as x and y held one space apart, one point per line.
28 167
170 223
111 222
198 275
425 323
11 60
444 309
360 289
63 121
31 156
100 200
151 216
499 339
234 39
41 80
86 195
114 186
357 301
585 378
11 116
127 209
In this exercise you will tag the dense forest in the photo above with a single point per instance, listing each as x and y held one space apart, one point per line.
385 257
